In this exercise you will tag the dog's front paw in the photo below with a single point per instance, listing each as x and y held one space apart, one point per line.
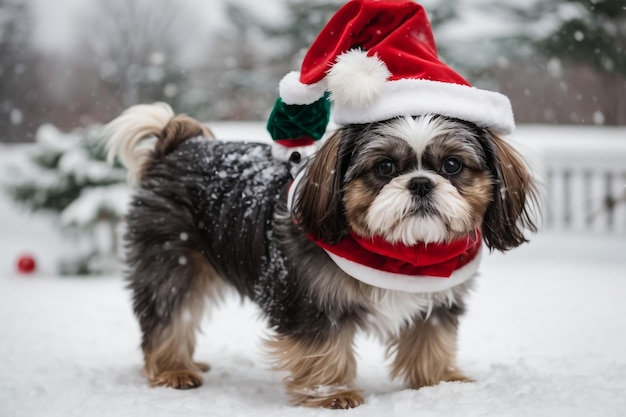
182 379
333 400
344 400
454 375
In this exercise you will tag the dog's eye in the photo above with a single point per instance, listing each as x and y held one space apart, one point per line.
385 168
452 166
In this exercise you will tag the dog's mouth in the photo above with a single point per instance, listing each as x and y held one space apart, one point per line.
422 207
423 221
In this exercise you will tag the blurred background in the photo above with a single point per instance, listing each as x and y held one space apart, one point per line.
72 63
68 66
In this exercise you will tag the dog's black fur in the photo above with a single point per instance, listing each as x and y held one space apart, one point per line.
219 199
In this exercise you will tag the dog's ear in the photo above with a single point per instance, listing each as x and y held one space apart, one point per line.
515 196
318 207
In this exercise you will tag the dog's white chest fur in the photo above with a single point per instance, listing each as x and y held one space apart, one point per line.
391 311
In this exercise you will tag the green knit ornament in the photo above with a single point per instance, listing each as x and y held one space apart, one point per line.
293 121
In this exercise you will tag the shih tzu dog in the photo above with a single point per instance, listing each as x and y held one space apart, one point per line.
380 230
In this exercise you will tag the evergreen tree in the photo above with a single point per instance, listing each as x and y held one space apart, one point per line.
66 174
593 34
588 32
582 35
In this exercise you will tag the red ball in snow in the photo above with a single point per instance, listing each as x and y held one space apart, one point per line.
26 264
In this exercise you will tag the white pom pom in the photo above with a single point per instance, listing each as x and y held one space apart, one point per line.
292 91
356 79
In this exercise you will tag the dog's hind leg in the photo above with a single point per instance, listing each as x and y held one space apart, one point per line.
169 338
171 285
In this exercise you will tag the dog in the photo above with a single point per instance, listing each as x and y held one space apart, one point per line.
207 215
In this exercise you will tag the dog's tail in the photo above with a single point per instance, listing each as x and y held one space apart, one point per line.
148 131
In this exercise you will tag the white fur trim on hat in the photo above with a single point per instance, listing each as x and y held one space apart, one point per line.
415 97
292 91
357 79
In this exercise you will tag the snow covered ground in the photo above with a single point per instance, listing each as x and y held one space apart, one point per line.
545 335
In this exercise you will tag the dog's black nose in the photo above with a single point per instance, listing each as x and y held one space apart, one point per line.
420 186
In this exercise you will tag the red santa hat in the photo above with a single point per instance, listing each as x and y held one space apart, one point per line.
377 59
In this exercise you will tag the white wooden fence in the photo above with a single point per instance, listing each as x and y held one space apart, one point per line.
583 170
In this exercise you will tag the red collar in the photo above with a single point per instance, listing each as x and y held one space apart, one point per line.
432 259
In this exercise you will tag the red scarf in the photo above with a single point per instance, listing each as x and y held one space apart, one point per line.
423 259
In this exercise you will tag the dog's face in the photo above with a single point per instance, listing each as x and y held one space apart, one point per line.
416 179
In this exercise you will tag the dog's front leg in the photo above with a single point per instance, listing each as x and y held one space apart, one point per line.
425 350
322 368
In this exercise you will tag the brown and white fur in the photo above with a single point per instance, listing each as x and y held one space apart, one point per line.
208 215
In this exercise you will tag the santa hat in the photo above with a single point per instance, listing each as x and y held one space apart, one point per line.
375 60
